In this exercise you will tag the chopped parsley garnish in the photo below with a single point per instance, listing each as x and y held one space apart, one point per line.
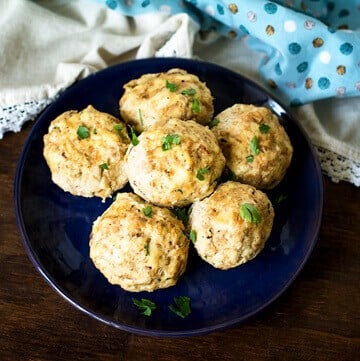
280 198
192 235
171 86
190 91
214 122
200 173
83 132
181 307
119 129
181 214
134 138
147 252
254 146
145 306
249 158
140 117
169 140
249 213
147 211
104 166
95 131
264 128
195 105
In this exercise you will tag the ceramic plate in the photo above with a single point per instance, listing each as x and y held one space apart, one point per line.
55 225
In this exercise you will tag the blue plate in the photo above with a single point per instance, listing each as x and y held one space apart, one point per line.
55 225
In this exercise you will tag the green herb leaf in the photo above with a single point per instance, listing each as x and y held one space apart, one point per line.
200 173
147 252
192 235
104 166
118 127
249 158
254 146
169 140
190 91
181 307
264 128
181 214
134 138
214 122
147 211
140 117
83 132
195 105
280 198
95 131
249 213
145 306
172 87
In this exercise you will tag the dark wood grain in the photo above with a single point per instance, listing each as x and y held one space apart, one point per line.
316 319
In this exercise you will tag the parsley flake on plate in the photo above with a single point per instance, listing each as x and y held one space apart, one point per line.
171 86
119 129
249 158
190 91
264 128
83 132
134 138
104 166
181 307
180 213
249 213
200 173
195 107
147 252
254 146
192 235
141 117
169 140
214 122
145 306
147 211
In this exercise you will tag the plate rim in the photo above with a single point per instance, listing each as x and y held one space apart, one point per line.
156 332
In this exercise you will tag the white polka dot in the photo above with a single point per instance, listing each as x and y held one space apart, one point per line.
290 84
290 26
325 57
340 91
165 9
251 16
309 24
210 10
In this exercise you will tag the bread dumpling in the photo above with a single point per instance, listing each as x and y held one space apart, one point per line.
139 246
231 226
85 152
155 98
175 164
256 147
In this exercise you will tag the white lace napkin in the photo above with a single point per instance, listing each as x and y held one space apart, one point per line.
48 45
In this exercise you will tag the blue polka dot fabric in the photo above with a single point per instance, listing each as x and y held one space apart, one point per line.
312 48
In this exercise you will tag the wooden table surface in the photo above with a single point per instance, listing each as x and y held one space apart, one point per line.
317 318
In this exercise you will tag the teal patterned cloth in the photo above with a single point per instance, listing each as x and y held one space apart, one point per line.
312 47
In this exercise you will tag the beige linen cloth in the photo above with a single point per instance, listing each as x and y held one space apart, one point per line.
45 46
